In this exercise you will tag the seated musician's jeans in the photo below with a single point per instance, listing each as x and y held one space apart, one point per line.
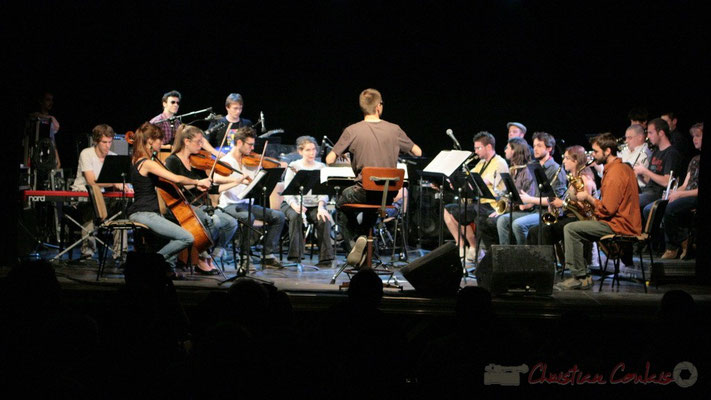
296 233
347 219
574 236
522 223
273 218
221 225
178 236
677 221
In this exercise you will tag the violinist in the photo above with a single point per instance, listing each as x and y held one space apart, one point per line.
222 226
145 209
239 158
313 208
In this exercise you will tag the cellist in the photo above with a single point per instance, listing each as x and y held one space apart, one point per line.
222 226
145 209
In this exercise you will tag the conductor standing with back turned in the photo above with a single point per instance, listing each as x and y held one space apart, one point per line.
372 142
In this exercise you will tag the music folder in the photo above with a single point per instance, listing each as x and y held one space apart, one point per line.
265 178
116 169
446 162
308 179
511 188
484 191
542 184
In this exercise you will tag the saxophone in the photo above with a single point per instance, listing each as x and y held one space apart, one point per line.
581 209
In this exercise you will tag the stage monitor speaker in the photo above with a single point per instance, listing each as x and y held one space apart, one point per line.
437 273
517 270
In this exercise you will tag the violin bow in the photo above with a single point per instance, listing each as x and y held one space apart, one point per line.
219 152
261 159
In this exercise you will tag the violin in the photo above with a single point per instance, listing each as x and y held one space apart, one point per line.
252 160
204 161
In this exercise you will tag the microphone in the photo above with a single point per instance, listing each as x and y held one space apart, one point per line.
272 132
215 127
261 117
454 139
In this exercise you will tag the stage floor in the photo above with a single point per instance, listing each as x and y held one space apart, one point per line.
310 289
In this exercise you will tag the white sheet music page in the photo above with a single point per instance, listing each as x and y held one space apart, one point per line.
447 161
252 184
336 172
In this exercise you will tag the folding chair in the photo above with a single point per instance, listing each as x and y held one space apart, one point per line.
617 245
105 225
375 180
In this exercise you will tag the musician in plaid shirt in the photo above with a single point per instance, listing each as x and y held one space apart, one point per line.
171 104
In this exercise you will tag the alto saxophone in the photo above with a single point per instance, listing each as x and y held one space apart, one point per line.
581 209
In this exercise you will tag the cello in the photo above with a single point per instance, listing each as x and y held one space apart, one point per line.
175 200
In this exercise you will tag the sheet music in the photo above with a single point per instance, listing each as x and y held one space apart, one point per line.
252 184
402 166
336 172
447 161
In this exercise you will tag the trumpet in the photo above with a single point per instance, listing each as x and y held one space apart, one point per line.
672 180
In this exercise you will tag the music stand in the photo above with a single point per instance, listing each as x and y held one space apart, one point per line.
116 169
481 191
543 187
512 197
333 181
262 183
304 181
443 166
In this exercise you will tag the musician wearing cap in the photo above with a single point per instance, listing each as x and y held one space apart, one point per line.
91 161
372 142
617 211
145 209
222 226
238 208
313 208
516 130
166 120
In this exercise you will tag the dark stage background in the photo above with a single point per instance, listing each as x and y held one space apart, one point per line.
569 68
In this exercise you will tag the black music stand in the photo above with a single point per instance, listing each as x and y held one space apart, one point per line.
544 188
512 198
443 166
333 184
480 191
304 181
116 169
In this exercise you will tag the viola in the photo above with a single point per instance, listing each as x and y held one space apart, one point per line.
252 160
204 161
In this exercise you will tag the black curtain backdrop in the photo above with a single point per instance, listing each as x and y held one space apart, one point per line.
569 68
